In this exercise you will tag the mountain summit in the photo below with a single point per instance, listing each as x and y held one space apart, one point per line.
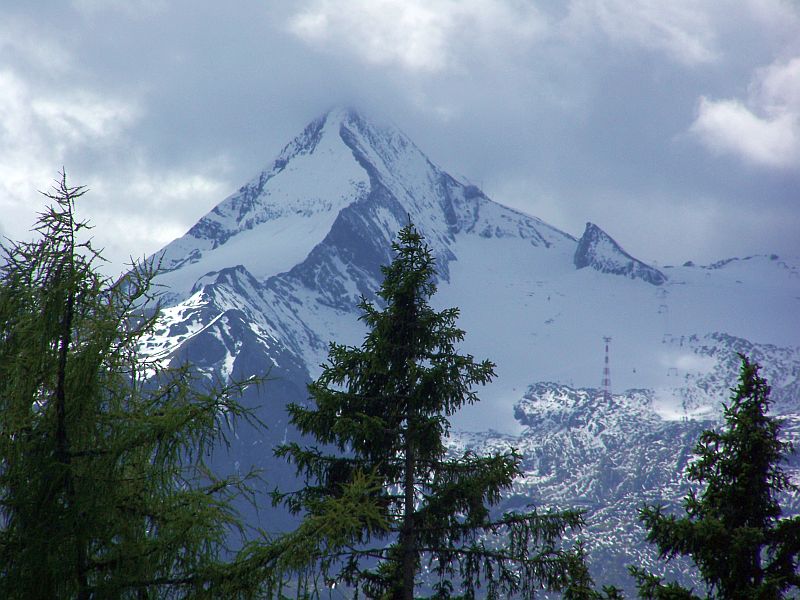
342 172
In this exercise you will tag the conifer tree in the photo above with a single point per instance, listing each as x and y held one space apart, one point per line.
103 488
381 411
733 529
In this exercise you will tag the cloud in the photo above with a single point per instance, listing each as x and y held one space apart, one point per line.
424 36
778 18
764 130
83 117
435 35
41 128
136 205
47 115
683 29
778 87
142 209
19 40
131 8
572 108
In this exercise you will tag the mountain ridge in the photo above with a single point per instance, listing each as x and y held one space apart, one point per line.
279 276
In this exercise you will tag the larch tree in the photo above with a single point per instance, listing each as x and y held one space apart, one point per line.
380 413
733 530
104 492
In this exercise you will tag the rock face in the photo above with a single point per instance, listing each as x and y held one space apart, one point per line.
264 281
598 250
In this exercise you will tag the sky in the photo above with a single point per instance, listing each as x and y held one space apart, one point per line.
674 126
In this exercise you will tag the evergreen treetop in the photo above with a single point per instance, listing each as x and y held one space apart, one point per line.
384 407
733 529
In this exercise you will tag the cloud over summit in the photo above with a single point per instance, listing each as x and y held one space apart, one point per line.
765 128
425 36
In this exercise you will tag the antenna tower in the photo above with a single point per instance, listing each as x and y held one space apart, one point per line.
607 374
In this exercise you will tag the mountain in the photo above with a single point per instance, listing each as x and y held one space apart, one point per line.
263 282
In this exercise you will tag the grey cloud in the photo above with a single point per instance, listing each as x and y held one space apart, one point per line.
570 115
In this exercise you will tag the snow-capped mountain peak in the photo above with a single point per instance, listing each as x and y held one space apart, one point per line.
598 250
264 281
340 168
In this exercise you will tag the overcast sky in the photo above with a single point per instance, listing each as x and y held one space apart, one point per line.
675 126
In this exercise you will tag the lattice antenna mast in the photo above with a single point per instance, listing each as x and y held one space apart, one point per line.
607 374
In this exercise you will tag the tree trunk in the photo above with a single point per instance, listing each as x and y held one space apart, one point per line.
407 536
62 439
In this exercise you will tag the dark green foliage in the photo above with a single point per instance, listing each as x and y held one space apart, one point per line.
384 406
580 584
103 488
733 529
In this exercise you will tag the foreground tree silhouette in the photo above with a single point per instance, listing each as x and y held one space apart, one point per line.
103 489
733 529
385 407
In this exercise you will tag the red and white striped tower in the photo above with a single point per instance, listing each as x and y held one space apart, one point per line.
607 374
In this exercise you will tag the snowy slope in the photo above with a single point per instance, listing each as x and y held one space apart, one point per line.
542 320
272 223
269 277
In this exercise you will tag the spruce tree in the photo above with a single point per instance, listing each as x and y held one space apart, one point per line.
104 492
733 529
380 411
